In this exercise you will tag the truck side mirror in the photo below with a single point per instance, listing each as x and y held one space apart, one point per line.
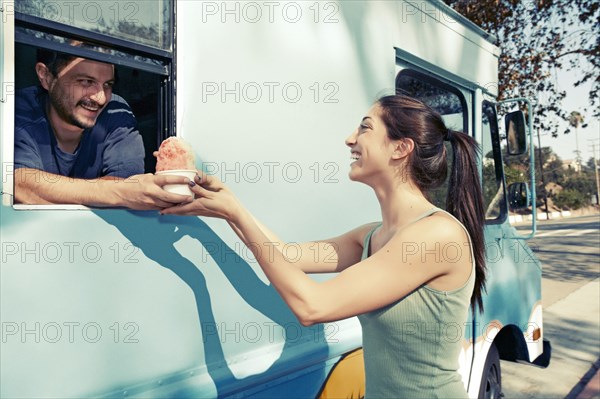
515 132
518 196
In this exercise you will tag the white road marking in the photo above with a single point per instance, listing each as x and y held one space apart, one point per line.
552 233
565 233
582 232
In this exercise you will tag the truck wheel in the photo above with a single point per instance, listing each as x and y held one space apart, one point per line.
491 380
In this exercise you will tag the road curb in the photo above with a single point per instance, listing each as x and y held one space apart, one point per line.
589 386
516 219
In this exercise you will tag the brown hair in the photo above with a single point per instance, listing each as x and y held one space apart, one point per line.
406 117
54 61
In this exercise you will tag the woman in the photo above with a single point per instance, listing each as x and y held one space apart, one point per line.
410 278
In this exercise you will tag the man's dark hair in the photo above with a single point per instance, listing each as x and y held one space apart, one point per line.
54 60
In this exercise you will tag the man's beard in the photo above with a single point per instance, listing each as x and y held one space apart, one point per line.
60 101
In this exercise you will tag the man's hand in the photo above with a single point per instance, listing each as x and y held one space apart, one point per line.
145 192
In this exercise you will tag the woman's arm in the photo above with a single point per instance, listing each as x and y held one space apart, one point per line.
398 268
322 256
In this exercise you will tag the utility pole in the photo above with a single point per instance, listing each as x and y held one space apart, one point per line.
596 171
577 152
576 120
542 175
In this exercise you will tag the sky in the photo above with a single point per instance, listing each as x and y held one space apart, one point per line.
577 99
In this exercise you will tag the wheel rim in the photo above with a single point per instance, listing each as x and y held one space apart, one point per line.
493 387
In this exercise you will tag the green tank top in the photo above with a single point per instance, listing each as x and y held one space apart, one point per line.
411 347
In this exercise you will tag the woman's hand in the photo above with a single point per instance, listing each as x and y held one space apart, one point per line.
213 199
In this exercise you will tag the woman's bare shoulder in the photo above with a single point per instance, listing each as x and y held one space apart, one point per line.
439 227
357 235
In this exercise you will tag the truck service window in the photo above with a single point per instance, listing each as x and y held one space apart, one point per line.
136 37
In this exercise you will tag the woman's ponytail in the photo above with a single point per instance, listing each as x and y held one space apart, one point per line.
465 201
408 117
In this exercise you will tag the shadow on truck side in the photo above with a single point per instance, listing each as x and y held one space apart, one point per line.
156 237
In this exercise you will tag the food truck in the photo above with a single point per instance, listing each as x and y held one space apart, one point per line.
121 303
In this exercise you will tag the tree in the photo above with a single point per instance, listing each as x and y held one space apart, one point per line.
577 188
590 165
537 38
570 199
554 170
576 120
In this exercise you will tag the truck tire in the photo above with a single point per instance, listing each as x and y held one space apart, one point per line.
491 379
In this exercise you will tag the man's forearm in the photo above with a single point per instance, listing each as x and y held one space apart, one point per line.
37 187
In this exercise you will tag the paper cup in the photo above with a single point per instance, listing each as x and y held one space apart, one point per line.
182 189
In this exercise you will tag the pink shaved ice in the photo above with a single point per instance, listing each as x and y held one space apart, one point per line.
175 154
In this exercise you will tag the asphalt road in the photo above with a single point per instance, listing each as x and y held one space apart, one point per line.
570 256
569 252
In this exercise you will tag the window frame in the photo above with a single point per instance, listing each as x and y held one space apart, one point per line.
434 81
165 69
59 28
498 161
